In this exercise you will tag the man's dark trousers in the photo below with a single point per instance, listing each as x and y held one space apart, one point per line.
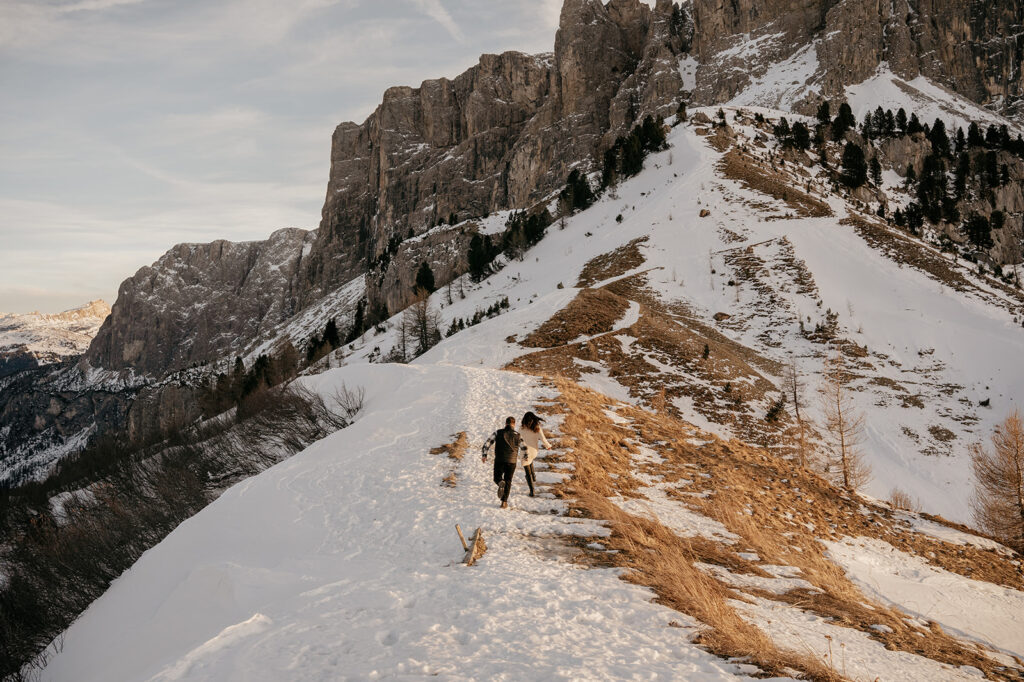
503 472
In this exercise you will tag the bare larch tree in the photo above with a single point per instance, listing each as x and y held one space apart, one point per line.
999 496
844 426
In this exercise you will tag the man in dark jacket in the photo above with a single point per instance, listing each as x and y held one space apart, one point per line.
506 444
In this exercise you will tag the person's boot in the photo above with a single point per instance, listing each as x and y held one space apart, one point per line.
504 504
501 489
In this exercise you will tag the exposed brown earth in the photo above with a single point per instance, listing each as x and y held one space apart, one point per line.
779 510
745 169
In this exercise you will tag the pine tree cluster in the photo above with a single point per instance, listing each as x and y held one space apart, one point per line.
493 310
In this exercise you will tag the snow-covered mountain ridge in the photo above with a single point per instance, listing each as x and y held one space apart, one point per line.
351 565
343 562
46 338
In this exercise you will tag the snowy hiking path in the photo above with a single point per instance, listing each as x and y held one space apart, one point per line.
946 349
343 563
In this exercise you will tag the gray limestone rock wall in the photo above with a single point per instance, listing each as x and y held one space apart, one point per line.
975 48
200 302
501 135
443 249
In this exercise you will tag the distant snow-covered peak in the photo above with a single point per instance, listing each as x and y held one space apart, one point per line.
49 337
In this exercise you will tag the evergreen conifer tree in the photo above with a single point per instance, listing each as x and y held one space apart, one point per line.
824 113
843 121
901 121
855 168
801 136
425 279
974 138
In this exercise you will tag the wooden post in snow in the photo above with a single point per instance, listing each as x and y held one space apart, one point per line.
465 547
476 550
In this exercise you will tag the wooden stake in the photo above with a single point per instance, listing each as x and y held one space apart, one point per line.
465 547
477 549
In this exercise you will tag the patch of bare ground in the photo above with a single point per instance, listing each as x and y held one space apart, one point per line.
660 357
941 433
593 311
779 510
754 176
612 264
455 451
721 138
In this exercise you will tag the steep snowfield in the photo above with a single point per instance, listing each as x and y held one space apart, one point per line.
343 563
920 95
950 349
969 608
51 337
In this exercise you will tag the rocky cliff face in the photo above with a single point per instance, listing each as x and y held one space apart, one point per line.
975 48
200 302
500 135
506 133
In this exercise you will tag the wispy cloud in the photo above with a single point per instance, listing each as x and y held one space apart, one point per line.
436 11
95 5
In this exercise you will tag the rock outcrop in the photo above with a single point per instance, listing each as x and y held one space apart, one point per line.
444 249
974 48
501 135
200 302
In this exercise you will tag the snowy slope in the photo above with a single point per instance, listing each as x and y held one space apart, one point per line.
49 338
920 95
342 563
950 349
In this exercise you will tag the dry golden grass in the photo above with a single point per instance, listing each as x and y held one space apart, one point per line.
779 511
654 555
748 171
657 558
612 264
664 363
455 451
593 311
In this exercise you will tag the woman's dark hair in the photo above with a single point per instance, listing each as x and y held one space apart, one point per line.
531 421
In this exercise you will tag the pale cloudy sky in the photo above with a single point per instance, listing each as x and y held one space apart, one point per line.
127 126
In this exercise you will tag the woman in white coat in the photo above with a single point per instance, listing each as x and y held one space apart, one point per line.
532 436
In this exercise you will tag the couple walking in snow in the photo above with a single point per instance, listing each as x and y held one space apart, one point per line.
508 442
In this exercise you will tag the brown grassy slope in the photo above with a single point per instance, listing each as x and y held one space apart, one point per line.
612 264
662 358
778 509
753 175
593 311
